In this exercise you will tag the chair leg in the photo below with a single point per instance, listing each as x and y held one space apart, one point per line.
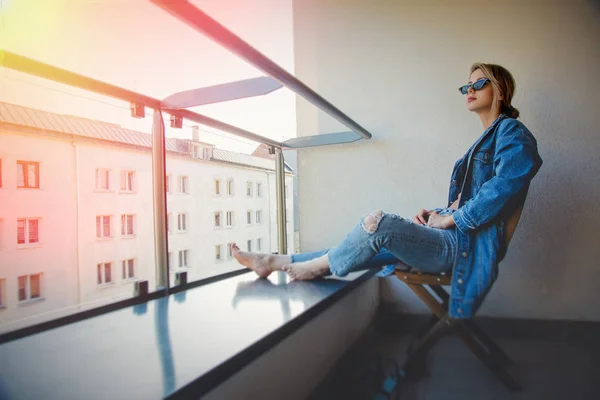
492 347
415 363
487 358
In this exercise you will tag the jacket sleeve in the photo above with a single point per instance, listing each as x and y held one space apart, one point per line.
516 161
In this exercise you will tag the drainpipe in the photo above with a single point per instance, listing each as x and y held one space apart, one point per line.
78 238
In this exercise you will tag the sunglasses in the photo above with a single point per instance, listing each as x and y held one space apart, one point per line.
478 85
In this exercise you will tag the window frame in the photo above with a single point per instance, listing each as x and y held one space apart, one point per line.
98 185
125 218
103 236
229 219
26 184
3 293
183 184
259 189
27 232
130 266
101 273
125 173
28 296
230 187
220 215
182 217
249 189
258 217
186 258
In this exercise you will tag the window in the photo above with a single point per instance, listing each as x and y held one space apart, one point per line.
249 217
28 174
128 269
168 183
102 179
259 244
195 151
30 287
183 258
249 245
127 178
182 222
183 184
259 217
218 222
259 190
229 250
103 226
127 225
248 188
104 273
2 293
217 187
206 153
229 187
229 218
28 231
218 255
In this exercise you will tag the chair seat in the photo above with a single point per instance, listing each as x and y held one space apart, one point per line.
412 276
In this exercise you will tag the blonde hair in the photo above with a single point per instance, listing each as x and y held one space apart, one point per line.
503 84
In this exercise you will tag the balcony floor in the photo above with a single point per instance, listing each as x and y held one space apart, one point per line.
545 369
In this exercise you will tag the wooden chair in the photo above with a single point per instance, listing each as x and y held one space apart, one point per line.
425 285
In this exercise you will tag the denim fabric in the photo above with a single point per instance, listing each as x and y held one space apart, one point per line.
493 177
395 239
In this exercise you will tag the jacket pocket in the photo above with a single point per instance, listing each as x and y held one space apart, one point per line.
485 156
483 167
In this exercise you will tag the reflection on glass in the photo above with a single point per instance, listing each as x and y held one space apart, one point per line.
226 198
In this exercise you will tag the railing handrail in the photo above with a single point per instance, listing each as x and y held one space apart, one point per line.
60 75
203 23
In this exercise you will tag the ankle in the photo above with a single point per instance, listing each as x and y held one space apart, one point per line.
277 261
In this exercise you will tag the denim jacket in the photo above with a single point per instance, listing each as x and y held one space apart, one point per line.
493 177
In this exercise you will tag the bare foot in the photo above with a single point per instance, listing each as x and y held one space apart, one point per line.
258 263
304 271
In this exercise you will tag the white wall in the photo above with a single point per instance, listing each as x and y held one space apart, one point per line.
395 66
55 254
284 372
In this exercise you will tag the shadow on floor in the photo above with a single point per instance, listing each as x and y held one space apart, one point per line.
547 370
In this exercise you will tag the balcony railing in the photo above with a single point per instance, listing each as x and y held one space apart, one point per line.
176 106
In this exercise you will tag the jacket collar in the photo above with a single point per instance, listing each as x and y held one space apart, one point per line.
488 130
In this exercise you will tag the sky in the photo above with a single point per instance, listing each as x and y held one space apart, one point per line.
135 45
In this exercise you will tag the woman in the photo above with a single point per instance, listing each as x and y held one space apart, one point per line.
488 184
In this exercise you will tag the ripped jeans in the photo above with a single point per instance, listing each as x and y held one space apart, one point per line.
381 239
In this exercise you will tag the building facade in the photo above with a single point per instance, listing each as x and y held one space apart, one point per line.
76 212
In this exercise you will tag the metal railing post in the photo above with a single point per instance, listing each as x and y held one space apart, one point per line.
160 201
280 199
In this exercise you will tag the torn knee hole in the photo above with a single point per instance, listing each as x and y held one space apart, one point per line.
371 222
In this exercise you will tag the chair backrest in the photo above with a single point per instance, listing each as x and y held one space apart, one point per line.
511 225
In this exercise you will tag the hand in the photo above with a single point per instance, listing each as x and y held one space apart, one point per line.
454 205
421 217
440 221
